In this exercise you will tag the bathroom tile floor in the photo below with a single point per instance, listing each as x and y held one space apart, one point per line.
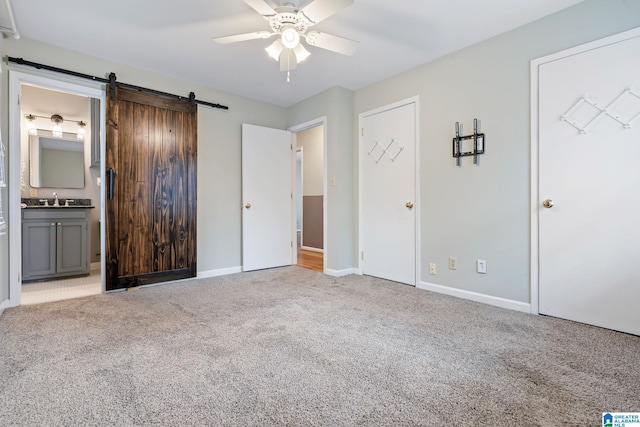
57 290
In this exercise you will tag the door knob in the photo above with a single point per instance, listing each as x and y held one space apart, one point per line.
548 203
409 205
248 206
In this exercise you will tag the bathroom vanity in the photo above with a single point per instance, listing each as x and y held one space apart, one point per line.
55 241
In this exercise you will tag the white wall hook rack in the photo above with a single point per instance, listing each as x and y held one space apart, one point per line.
377 147
611 110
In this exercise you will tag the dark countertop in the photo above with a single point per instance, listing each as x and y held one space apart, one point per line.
38 203
58 207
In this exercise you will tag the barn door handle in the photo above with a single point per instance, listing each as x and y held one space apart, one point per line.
112 177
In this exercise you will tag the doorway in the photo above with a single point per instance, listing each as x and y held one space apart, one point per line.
310 197
43 275
311 194
269 192
59 167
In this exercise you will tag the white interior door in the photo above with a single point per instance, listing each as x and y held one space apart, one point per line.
388 193
589 238
267 186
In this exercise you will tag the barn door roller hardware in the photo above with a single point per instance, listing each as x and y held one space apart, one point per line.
478 143
113 84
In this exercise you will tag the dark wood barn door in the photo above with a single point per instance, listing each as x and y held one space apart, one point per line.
151 189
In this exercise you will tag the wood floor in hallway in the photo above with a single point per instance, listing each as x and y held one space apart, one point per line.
311 260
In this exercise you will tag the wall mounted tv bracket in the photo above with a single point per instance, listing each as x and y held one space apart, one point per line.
478 143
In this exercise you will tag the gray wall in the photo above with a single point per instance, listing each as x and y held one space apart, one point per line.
483 211
312 143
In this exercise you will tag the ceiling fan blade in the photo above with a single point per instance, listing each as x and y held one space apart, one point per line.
243 37
261 7
288 60
332 43
319 10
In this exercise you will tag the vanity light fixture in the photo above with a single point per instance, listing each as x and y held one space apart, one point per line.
31 124
56 129
81 130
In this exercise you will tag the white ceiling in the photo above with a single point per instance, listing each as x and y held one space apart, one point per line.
174 38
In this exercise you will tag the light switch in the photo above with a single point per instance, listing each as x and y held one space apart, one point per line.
333 181
482 266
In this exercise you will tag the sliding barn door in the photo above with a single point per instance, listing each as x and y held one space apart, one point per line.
151 189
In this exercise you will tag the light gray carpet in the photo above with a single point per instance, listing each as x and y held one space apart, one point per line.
293 347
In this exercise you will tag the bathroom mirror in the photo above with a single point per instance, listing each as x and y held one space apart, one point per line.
56 162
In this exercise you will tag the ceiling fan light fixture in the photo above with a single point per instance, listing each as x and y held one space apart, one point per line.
290 37
275 49
301 53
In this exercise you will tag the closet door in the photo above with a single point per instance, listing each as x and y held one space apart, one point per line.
588 180
150 182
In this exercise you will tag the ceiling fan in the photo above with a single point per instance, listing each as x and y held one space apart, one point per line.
291 24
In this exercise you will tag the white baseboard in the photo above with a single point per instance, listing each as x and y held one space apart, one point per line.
340 273
474 296
95 266
220 272
4 304
309 248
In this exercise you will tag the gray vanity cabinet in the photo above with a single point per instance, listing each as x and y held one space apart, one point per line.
55 243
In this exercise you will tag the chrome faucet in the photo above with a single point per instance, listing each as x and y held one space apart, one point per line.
55 202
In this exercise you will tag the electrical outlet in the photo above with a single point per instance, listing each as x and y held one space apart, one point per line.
481 266
432 268
453 263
